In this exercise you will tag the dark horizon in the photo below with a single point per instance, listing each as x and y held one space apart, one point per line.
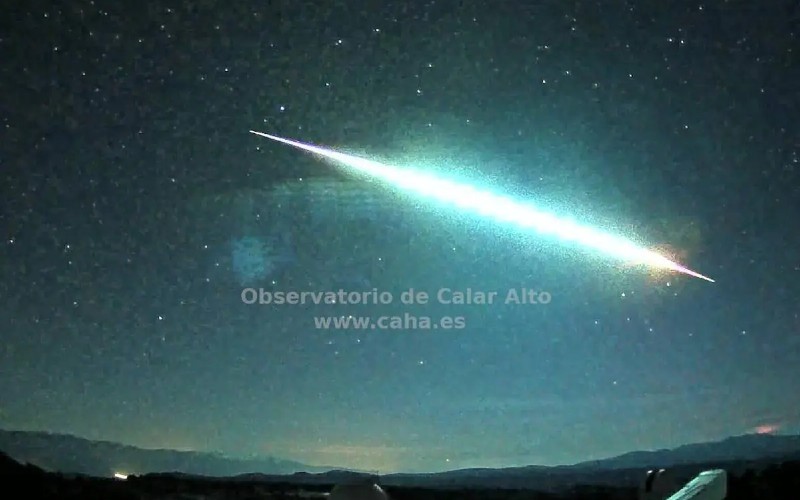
767 455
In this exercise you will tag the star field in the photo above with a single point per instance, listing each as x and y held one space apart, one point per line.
126 169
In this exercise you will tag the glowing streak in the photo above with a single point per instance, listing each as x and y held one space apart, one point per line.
497 207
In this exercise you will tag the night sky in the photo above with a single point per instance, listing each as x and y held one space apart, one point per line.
129 180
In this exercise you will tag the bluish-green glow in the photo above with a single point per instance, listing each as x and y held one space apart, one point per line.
496 207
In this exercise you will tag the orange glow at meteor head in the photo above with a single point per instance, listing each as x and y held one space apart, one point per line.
661 274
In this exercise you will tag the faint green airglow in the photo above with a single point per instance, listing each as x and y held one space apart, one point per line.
496 207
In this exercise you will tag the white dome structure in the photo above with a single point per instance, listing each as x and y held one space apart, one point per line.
358 491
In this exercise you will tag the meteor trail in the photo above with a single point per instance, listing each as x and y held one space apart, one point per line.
496 207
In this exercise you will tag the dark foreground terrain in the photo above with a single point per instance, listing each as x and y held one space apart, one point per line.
775 482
